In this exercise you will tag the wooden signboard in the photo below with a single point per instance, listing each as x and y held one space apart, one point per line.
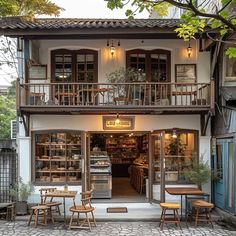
125 123
37 72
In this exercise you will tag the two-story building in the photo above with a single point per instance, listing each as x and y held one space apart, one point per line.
85 122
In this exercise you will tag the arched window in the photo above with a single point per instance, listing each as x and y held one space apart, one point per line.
154 64
74 66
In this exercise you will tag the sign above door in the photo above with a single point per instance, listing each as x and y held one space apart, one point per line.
118 122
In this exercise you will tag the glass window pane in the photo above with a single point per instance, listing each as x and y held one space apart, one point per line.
90 66
89 58
80 58
133 58
230 67
180 153
58 157
80 67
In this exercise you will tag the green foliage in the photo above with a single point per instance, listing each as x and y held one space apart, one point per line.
200 172
162 8
7 113
231 52
176 147
123 75
194 21
28 8
21 191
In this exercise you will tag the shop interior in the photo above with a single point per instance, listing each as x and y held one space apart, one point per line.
124 157
127 163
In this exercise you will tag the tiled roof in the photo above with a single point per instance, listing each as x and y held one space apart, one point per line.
75 23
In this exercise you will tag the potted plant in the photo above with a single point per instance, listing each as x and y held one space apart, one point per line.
125 75
21 192
200 172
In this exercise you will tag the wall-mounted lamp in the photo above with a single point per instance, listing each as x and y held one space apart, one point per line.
189 50
117 121
174 134
112 47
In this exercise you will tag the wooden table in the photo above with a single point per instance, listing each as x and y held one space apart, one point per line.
61 96
62 194
184 191
94 93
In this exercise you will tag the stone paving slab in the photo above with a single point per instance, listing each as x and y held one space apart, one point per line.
138 228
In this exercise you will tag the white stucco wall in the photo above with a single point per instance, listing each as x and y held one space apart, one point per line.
107 64
94 122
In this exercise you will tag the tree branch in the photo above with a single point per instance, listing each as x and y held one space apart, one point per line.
208 15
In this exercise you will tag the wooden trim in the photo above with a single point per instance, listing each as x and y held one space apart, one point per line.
74 53
148 54
33 154
195 72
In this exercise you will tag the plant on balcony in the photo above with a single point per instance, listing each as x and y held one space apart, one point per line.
125 75
199 172
21 192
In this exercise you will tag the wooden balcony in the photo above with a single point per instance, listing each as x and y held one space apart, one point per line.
103 98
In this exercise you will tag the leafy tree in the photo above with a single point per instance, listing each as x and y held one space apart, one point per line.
220 15
199 173
28 8
7 112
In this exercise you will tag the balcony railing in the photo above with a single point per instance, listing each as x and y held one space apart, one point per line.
115 95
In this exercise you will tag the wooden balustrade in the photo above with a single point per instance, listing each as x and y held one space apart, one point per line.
107 94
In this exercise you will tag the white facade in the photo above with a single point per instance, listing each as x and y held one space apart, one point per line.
40 52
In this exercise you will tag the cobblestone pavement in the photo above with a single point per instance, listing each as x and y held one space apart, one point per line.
20 228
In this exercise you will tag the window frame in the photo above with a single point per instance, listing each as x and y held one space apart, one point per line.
148 54
33 157
74 54
232 80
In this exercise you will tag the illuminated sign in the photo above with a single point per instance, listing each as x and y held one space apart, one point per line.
124 123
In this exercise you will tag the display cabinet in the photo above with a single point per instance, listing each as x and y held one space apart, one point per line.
100 163
122 151
100 174
58 157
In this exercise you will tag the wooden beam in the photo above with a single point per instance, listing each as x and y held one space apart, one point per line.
25 119
204 123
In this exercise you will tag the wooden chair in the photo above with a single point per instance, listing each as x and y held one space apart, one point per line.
196 213
54 205
8 211
166 206
84 208
40 210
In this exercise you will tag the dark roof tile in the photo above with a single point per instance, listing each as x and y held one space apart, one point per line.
68 23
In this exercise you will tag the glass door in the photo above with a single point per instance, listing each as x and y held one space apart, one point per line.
157 167
230 176
85 162
224 186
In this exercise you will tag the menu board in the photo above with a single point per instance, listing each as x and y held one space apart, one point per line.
38 72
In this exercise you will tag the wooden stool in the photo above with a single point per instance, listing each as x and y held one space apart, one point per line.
41 210
197 205
11 212
175 219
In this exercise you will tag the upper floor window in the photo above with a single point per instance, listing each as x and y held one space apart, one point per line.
74 66
230 69
155 64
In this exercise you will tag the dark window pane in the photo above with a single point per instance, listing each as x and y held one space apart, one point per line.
90 66
80 67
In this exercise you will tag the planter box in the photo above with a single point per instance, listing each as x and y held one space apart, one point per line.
21 208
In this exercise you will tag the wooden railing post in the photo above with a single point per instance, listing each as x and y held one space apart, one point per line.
212 97
18 95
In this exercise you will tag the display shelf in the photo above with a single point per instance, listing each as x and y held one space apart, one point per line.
99 163
57 152
100 170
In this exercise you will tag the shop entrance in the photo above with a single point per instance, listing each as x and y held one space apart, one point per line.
119 166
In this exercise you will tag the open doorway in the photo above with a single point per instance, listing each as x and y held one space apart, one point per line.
127 155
